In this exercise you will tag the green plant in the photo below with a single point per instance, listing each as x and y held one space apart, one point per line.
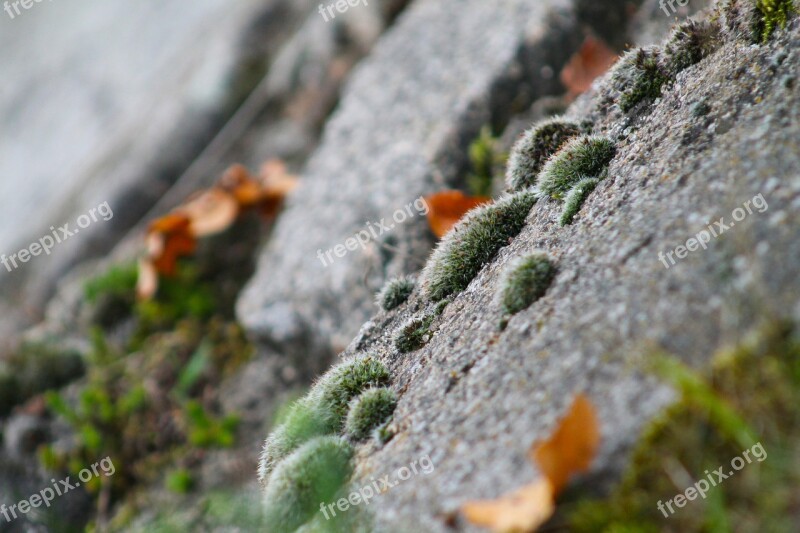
368 411
639 76
579 158
205 430
310 476
395 293
414 333
690 43
180 481
118 281
484 158
575 198
524 281
473 243
534 148
774 14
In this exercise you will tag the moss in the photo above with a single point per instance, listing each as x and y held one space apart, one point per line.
534 148
575 198
485 158
473 243
346 381
639 76
774 14
395 293
312 475
368 411
713 423
414 333
582 157
690 43
524 281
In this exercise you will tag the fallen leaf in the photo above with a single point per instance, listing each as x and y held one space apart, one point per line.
210 212
168 239
147 280
592 60
446 208
570 450
521 511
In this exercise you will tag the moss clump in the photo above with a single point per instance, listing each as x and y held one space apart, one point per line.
534 148
525 281
395 293
312 475
711 425
473 243
322 411
582 157
575 198
368 411
415 333
690 43
639 76
774 14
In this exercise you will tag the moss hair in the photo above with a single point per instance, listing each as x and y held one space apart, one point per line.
368 411
395 293
311 475
524 281
533 149
575 198
585 156
690 43
474 242
414 333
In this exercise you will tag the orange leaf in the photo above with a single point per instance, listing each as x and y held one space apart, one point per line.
168 239
210 212
592 60
447 207
571 449
521 511
568 451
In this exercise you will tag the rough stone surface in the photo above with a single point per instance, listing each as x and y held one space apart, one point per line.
476 398
400 132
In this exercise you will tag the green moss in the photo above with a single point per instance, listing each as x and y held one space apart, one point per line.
485 158
747 402
575 198
690 43
414 333
774 14
118 281
312 475
583 157
534 148
344 382
473 243
639 76
395 293
179 481
368 411
524 281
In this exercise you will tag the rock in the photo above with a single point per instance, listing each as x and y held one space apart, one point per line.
400 132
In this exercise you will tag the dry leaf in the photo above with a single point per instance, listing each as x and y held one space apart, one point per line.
448 207
168 239
592 60
519 512
210 212
572 447
568 451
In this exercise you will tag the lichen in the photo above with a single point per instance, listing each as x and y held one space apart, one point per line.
395 293
575 199
533 149
473 243
368 411
582 157
524 281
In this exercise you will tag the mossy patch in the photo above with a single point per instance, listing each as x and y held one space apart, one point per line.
575 199
774 14
524 281
473 243
690 43
414 333
639 76
368 411
395 293
748 402
533 149
582 157
310 476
